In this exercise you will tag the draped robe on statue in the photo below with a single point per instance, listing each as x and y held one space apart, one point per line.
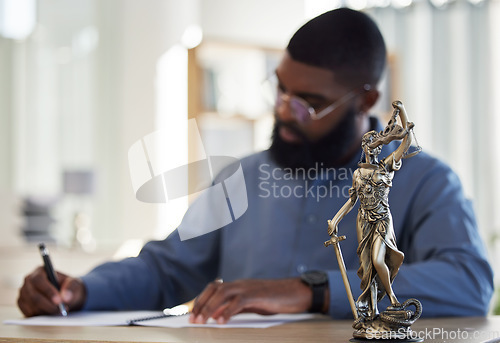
374 222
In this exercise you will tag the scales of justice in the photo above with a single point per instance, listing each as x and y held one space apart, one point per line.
379 256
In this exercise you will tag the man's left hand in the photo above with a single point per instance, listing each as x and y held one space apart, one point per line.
220 300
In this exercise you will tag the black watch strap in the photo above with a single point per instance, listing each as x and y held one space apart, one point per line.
318 299
318 282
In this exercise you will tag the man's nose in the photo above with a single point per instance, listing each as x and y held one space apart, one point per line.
284 109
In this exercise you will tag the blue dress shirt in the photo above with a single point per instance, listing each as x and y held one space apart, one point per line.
282 233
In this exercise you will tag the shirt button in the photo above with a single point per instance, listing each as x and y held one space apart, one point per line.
301 268
311 218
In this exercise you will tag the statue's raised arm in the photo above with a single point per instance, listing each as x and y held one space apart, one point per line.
394 131
407 126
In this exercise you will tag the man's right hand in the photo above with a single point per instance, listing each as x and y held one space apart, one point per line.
39 296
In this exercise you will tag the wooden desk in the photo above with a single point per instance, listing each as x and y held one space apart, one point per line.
321 329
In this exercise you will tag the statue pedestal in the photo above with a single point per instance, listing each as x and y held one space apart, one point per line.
392 325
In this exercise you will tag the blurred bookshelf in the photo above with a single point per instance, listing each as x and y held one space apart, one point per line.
226 99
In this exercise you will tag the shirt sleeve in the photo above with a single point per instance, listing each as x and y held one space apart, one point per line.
445 263
172 271
164 274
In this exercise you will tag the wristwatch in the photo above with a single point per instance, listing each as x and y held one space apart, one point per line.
318 282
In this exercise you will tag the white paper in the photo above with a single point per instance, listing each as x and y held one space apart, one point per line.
120 318
243 320
85 318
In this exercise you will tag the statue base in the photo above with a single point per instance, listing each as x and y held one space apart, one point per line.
392 325
410 340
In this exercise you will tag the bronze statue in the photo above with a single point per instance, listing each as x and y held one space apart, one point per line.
378 254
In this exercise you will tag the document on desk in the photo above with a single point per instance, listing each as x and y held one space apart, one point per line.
121 318
243 320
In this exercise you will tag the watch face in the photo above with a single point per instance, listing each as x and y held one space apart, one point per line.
314 278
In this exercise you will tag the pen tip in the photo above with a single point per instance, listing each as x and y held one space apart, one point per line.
63 311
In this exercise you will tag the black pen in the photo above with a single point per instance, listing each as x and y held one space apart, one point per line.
51 275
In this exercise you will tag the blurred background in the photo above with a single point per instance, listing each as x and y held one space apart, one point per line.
83 80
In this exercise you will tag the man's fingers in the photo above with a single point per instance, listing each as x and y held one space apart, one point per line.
218 311
235 306
212 302
73 292
220 300
31 302
42 286
201 301
204 297
38 295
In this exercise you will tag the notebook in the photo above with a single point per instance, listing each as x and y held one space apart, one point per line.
155 318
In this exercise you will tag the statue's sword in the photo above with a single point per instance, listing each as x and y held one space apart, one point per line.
335 242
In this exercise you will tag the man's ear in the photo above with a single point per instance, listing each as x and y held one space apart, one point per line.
368 100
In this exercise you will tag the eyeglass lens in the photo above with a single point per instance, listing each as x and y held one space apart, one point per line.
299 109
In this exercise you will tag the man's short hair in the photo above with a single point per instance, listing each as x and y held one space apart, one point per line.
344 41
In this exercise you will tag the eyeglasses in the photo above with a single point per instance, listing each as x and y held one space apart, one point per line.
301 109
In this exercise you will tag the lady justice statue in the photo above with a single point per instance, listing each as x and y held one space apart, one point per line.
378 254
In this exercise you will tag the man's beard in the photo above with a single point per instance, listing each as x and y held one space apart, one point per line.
329 151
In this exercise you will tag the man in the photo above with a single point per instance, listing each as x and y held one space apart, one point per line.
272 258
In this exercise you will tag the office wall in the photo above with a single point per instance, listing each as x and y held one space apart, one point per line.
82 92
259 22
444 73
103 100
5 110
